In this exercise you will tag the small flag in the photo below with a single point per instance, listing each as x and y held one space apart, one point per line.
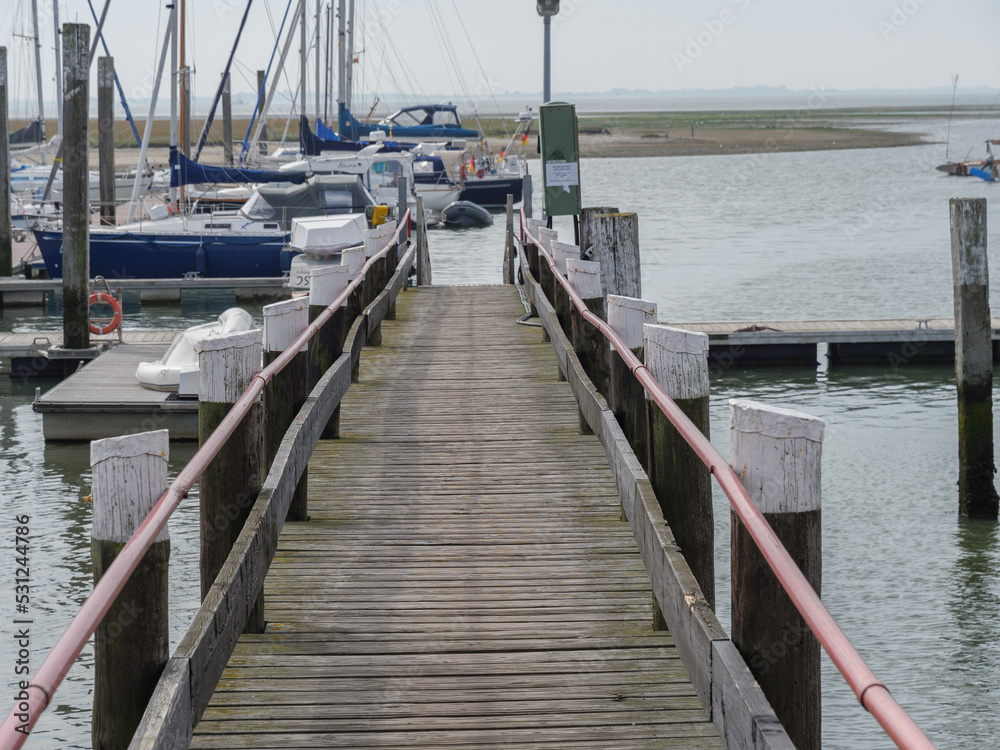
524 139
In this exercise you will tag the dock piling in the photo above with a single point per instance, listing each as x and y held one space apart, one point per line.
132 643
423 253
6 235
325 284
614 242
526 197
776 453
288 390
977 495
232 481
588 227
76 175
588 342
678 359
106 136
627 316
508 245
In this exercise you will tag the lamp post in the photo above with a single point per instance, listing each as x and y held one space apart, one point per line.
546 9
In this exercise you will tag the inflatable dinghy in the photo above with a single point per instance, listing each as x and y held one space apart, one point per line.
165 374
465 214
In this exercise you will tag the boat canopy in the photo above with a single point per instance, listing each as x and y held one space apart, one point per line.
183 171
319 195
420 122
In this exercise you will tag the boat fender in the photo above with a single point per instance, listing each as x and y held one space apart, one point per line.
103 298
201 260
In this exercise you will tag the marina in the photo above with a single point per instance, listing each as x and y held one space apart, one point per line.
520 445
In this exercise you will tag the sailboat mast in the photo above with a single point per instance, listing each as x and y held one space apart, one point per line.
174 84
341 66
319 38
58 51
350 55
302 62
38 71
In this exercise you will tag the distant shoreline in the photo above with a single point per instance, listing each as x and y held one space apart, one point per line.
642 134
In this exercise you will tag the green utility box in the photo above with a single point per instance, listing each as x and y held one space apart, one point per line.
560 147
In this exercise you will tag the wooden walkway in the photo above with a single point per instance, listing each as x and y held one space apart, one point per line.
465 580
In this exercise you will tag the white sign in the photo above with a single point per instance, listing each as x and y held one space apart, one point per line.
564 174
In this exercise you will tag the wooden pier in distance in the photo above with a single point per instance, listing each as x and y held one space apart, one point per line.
465 578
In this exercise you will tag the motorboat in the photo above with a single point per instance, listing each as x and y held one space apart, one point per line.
180 362
222 244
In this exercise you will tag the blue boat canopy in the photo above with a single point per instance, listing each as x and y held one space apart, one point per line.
183 171
313 145
421 122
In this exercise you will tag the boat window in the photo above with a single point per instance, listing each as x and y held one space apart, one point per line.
218 226
445 117
270 226
257 208
337 200
405 119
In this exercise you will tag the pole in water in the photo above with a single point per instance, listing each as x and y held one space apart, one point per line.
132 643
776 453
106 136
977 495
76 179
6 236
678 359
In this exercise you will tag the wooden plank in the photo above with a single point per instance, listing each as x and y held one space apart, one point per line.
465 579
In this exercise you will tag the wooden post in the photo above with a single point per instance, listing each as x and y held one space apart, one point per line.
588 342
423 253
614 241
261 98
76 177
627 316
526 197
977 495
508 247
6 235
682 484
232 481
284 395
132 643
561 252
227 121
106 136
587 224
545 277
186 109
401 198
776 453
325 284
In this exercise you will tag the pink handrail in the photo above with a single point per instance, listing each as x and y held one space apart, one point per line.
13 731
868 689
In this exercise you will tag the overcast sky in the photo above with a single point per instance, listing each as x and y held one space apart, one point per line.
597 45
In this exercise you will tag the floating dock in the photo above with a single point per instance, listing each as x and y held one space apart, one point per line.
104 400
892 342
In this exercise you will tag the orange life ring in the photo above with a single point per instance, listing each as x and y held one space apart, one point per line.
103 298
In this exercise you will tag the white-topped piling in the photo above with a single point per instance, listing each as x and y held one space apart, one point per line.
132 642
776 453
678 360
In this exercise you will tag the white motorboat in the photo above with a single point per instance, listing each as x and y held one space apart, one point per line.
180 362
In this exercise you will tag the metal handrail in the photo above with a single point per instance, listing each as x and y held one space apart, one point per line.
43 685
868 689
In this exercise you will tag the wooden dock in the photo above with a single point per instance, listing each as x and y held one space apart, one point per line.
105 400
465 579
26 345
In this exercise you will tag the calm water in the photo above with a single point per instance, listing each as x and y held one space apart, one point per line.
813 235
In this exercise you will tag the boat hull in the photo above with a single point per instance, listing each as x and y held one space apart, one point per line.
174 256
492 193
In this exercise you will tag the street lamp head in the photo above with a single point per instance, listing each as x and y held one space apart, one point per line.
547 7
